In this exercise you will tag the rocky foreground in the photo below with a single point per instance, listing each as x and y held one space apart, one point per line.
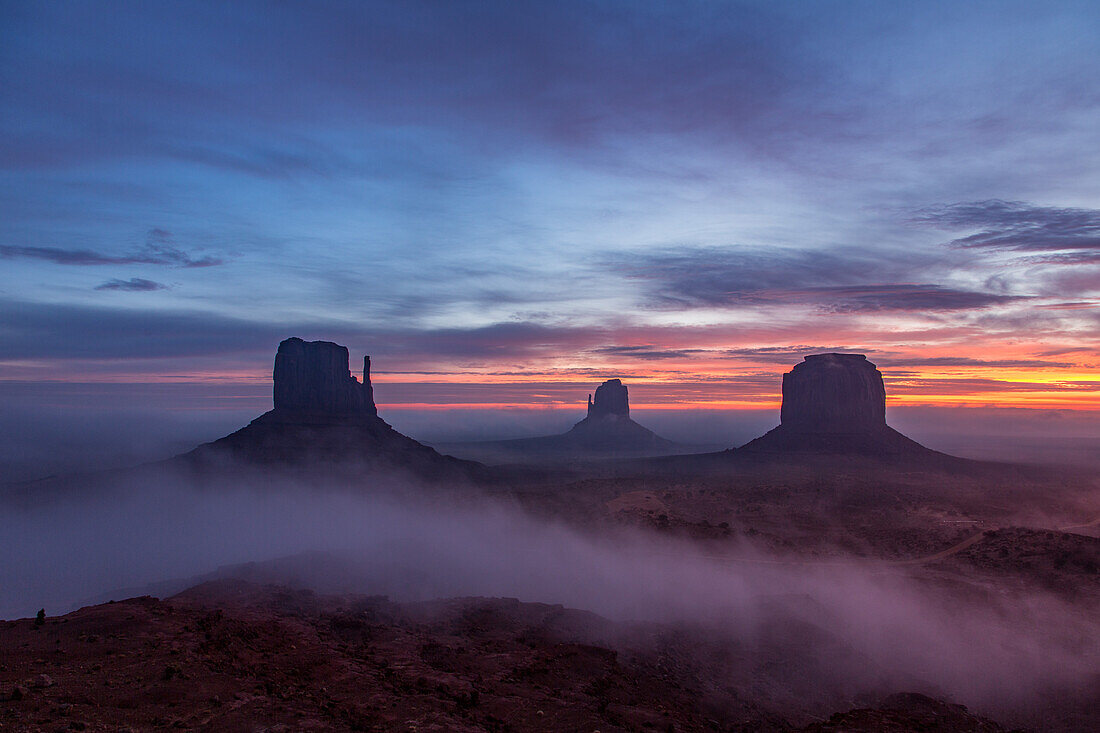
231 656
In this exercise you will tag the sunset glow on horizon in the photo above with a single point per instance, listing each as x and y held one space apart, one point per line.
751 386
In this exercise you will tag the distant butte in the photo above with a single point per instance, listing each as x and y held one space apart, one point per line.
834 403
607 431
611 400
608 426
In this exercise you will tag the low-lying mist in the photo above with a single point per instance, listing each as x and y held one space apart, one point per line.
57 428
978 647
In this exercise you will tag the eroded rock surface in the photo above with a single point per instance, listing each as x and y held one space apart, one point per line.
233 656
313 376
608 426
836 404
611 399
325 420
834 393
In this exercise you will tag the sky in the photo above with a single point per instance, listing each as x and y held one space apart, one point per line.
506 203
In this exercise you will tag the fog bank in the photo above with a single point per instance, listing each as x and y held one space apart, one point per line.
974 646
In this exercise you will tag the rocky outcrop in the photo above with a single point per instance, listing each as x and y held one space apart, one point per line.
834 393
606 432
313 376
611 399
835 404
608 426
907 711
326 419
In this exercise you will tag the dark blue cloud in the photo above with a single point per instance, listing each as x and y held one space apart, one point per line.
896 297
147 79
145 256
159 250
47 330
831 281
1018 226
687 276
41 330
281 90
133 285
645 353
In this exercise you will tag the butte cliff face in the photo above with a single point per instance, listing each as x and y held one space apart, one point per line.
608 428
326 419
611 400
313 376
834 403
834 393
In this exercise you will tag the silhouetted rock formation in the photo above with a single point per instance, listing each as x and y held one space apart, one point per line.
834 403
313 376
608 426
834 393
323 417
611 399
606 432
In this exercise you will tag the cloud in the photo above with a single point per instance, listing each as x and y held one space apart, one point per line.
1065 258
50 330
969 386
753 75
133 285
158 251
788 354
1062 350
793 354
965 361
722 274
575 75
645 353
896 296
738 276
1017 226
45 330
